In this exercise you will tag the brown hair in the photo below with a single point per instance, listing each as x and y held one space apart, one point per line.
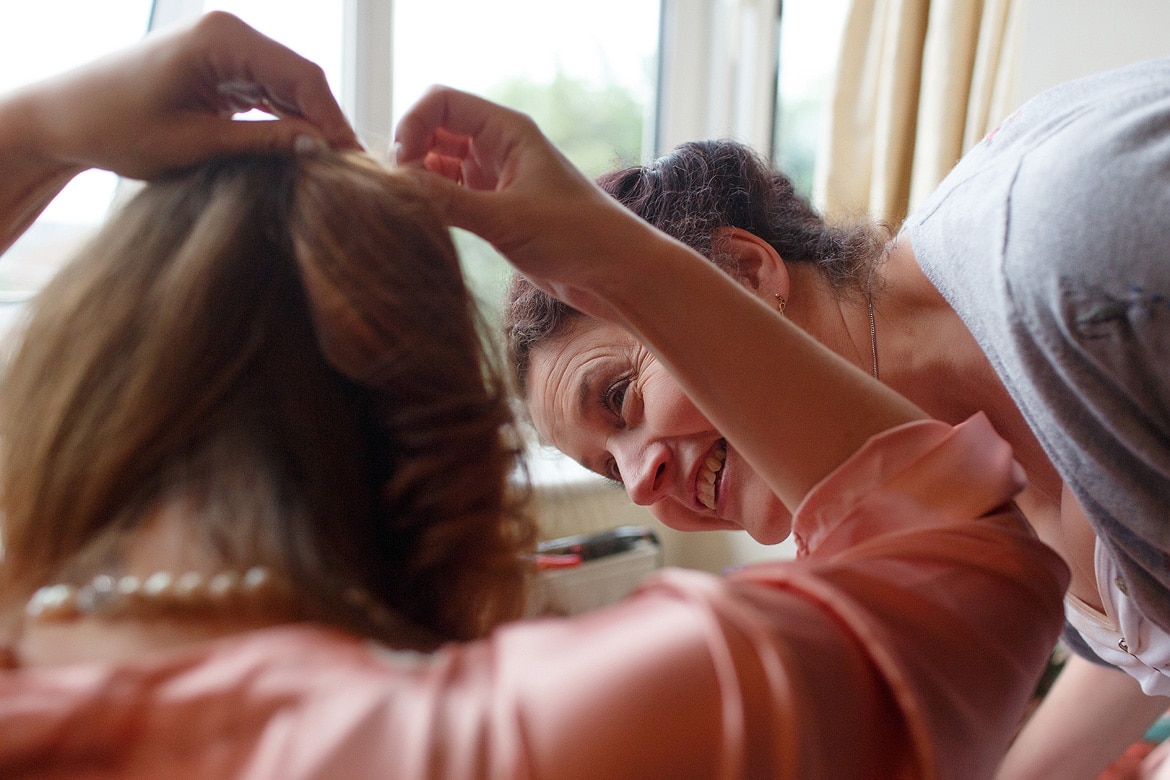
691 194
285 345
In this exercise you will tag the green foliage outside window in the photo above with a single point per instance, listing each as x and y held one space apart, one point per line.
597 127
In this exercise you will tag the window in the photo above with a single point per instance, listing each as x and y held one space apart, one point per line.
612 82
38 40
584 71
810 32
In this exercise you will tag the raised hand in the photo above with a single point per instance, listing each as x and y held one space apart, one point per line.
163 104
494 173
169 101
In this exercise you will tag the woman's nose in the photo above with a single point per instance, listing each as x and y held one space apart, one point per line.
645 470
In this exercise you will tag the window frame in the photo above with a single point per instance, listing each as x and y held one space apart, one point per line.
718 72
717 68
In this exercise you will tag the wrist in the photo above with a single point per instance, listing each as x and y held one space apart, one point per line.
33 174
638 261
32 147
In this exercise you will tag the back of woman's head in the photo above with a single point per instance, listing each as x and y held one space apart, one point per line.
283 350
694 194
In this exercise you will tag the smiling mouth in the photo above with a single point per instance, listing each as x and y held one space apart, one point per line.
709 474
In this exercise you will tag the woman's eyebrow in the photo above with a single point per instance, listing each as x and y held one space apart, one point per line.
585 392
587 409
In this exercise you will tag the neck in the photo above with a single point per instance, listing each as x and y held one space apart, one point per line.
927 353
167 591
840 323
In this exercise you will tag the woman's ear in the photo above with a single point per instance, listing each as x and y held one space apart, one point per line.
761 269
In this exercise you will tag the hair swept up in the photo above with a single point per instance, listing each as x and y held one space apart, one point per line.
692 194
282 348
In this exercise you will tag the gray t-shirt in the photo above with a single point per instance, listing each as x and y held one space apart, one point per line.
1051 239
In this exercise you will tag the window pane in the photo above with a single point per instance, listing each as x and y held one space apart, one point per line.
41 39
313 30
584 71
810 35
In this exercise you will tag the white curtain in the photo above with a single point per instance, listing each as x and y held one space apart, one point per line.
919 83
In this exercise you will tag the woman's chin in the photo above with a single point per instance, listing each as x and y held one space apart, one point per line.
771 532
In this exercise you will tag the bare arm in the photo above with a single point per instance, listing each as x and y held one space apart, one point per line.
1091 715
809 409
163 104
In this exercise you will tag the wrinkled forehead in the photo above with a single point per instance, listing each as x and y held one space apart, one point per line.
564 371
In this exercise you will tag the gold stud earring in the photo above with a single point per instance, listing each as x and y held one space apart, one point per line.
780 302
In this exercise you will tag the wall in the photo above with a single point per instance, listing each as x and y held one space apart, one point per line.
1060 40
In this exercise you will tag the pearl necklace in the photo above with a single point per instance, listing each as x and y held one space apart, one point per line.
255 590
256 593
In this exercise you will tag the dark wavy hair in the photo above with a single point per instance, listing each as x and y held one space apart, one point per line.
282 349
691 194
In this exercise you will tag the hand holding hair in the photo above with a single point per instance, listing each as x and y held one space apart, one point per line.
493 172
166 103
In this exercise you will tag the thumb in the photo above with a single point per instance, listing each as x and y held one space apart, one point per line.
477 211
268 135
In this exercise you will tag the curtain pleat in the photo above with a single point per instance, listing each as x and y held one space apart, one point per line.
919 83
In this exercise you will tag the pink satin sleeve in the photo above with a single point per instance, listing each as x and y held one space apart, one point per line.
905 643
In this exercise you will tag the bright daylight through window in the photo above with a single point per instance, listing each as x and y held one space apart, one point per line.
38 40
588 73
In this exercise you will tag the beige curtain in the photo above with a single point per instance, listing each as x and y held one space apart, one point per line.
919 83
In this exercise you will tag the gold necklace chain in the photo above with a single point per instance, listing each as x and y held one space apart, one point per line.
872 336
872 326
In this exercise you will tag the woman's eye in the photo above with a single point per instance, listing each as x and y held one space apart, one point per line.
612 473
615 396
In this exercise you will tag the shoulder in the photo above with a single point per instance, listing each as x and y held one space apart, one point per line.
1091 141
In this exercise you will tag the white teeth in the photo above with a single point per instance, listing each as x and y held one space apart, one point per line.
707 476
707 496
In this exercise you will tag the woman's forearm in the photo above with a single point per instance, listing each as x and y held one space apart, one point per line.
794 408
1091 715
31 177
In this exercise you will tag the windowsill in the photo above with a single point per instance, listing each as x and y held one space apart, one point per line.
549 468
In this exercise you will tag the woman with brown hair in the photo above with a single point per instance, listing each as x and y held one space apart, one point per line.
230 348
659 371
1032 289
258 519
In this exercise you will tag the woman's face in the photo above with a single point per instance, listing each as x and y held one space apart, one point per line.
601 398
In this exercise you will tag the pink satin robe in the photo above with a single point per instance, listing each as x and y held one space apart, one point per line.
904 642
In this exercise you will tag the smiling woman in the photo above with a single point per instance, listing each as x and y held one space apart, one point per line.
599 396
256 497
